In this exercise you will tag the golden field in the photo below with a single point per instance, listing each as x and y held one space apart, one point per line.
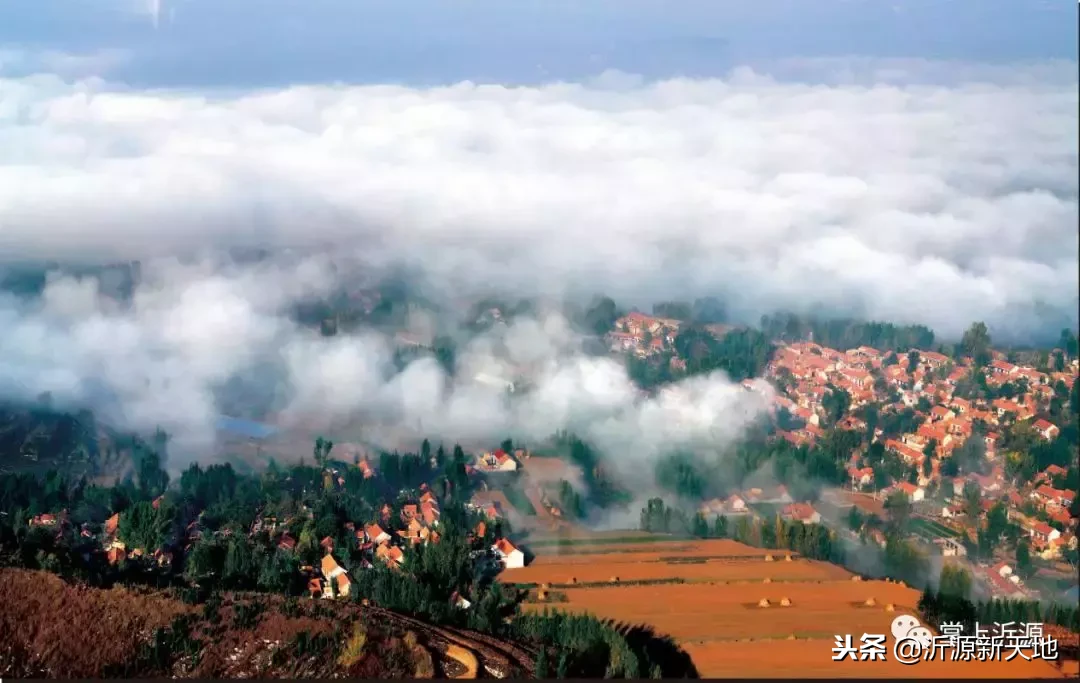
707 596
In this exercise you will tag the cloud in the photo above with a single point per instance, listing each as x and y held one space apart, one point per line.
194 328
909 202
938 205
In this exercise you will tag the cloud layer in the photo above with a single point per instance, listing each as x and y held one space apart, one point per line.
938 205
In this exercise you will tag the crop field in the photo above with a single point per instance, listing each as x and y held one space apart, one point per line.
735 613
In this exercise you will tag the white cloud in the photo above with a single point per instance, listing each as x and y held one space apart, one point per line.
931 204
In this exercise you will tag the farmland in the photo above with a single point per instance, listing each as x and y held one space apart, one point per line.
733 610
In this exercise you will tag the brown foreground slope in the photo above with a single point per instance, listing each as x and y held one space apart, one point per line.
50 628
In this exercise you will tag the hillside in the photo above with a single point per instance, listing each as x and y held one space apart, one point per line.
37 439
53 629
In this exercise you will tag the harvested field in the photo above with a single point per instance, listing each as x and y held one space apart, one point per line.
707 595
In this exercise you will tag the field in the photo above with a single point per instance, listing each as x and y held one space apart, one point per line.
708 595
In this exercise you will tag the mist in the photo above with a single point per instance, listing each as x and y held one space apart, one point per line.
938 205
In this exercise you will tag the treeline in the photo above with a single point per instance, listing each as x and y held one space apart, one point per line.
741 353
581 646
846 333
939 607
815 541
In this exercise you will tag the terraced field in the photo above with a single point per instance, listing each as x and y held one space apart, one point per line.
734 611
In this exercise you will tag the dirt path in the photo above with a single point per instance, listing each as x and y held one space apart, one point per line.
465 658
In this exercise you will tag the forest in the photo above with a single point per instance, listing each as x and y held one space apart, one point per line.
208 526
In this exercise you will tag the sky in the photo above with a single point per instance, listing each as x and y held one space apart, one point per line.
275 42
914 162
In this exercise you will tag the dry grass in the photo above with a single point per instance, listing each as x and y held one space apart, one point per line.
77 631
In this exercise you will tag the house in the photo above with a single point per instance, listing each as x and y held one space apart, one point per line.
508 554
365 468
429 513
499 461
1042 533
117 553
335 575
801 512
1048 495
286 542
913 492
1050 472
861 476
375 534
112 524
391 555
1046 430
44 520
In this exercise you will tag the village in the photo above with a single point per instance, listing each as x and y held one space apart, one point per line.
414 522
818 390
808 377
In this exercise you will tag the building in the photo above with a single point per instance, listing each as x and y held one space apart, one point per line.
508 554
335 576
1047 430
801 512
913 492
499 461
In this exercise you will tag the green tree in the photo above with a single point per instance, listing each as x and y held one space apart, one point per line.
542 663
1024 566
972 500
976 343
899 509
954 581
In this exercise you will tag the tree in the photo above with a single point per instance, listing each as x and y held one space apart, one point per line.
976 343
542 663
144 527
997 520
1024 566
972 500
899 508
601 316
954 581
322 451
836 403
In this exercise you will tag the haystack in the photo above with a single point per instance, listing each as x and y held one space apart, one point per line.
792 637
764 602
787 558
890 607
856 578
870 602
542 595
614 579
785 602
767 580
768 558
